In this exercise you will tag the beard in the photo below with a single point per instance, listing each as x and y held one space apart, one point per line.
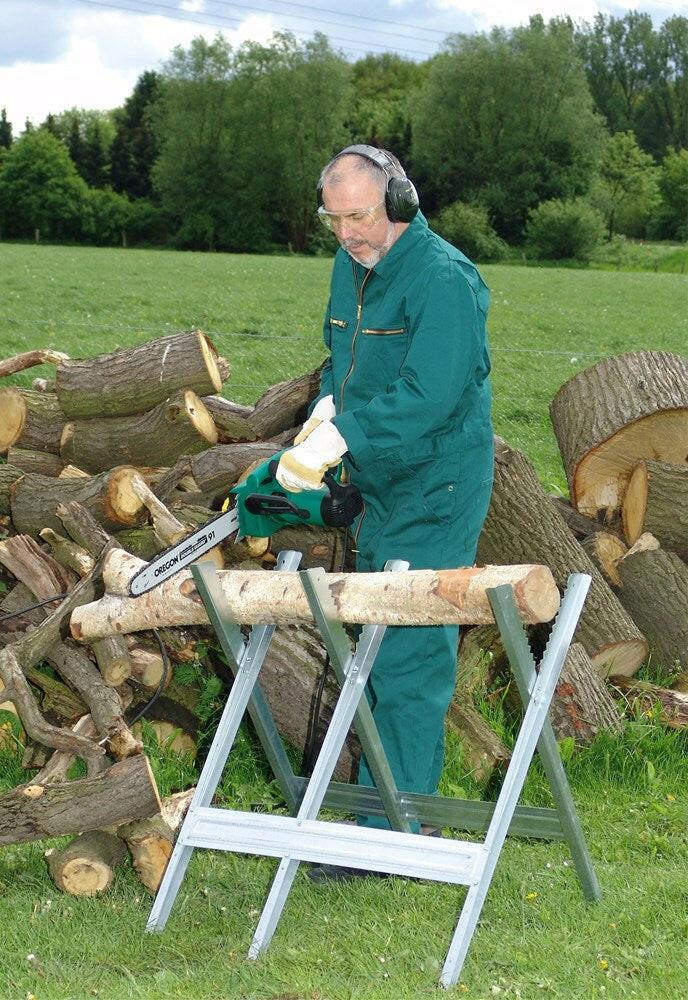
369 254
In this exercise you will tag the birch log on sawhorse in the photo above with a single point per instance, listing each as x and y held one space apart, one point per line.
304 838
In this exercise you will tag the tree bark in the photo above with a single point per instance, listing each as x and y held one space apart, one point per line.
609 416
86 867
231 419
30 420
34 568
42 462
654 590
217 469
582 705
29 359
180 425
284 405
136 379
483 750
605 550
673 705
67 553
582 526
480 661
656 500
9 475
522 525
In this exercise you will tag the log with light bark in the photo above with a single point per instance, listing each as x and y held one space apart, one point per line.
67 553
523 525
122 793
180 425
582 706
622 409
656 500
108 497
136 379
42 462
483 751
29 359
284 405
654 590
9 475
671 706
86 866
605 550
30 420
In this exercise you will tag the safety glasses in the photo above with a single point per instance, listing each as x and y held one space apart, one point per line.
361 219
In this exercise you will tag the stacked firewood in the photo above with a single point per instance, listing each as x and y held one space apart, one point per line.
120 456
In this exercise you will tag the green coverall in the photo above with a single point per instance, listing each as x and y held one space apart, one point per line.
408 370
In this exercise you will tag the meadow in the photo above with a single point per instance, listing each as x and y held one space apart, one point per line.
385 940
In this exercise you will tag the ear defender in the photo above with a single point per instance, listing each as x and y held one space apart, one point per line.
401 198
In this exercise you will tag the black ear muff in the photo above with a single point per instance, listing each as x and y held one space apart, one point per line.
401 197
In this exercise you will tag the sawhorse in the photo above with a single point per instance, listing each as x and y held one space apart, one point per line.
301 837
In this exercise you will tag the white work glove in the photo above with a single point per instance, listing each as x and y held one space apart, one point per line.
303 466
323 410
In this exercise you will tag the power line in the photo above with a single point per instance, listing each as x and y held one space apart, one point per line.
359 17
188 17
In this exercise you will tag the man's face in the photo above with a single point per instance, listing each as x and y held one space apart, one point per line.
366 235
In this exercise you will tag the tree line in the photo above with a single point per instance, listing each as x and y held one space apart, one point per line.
552 132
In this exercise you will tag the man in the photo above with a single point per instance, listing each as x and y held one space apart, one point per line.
405 401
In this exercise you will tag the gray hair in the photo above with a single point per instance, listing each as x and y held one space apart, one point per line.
338 167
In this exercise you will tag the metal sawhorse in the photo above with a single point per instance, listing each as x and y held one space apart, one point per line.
302 837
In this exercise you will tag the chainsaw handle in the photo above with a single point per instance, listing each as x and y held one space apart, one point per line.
343 504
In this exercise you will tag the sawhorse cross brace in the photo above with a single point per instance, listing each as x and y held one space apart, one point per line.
302 837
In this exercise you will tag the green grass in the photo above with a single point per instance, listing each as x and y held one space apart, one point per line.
384 941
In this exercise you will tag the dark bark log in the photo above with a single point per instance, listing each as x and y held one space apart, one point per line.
42 462
86 867
650 698
483 750
284 405
654 590
582 526
657 501
30 420
231 419
582 705
481 660
9 475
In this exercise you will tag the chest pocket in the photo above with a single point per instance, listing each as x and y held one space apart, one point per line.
383 349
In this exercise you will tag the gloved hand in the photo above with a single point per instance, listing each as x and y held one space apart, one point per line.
303 466
323 410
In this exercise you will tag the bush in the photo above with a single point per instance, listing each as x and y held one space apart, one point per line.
467 227
671 220
110 214
564 230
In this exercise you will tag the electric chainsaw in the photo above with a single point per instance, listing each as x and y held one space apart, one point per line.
262 508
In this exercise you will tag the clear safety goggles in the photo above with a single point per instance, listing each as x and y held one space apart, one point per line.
361 218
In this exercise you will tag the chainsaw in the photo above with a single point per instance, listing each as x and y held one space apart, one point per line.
262 508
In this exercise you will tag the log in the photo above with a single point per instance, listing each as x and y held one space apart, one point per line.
123 793
654 590
481 660
73 472
57 768
622 409
231 419
67 553
582 706
217 469
419 597
522 525
44 385
656 500
320 546
30 420
605 550
34 568
284 405
671 706
29 359
86 867
150 842
42 462
113 659
582 526
180 425
136 379
9 475
483 751
108 497
147 665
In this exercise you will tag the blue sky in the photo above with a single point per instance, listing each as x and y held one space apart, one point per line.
55 54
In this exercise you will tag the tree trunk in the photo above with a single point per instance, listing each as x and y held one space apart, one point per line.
42 462
124 792
136 379
582 705
607 417
30 420
657 501
654 590
180 425
673 705
522 525
217 469
9 474
284 405
231 419
483 750
86 867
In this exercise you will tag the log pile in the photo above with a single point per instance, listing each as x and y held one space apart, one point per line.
119 456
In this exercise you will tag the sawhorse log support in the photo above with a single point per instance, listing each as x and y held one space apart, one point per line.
302 837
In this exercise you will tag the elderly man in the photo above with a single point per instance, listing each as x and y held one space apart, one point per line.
405 402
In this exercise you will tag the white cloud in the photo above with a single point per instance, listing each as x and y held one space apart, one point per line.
106 53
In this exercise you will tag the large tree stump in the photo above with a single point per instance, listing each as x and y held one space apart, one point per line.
654 590
86 867
609 416
180 425
30 420
523 525
136 379
656 500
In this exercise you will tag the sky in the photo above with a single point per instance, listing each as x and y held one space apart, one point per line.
57 54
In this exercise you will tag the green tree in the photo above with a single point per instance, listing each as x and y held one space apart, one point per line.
76 145
564 229
5 130
41 189
50 125
506 119
379 112
96 165
135 146
627 180
671 221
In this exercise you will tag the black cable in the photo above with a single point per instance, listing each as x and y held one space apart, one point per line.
32 607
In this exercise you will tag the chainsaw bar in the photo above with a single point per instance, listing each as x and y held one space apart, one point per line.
179 555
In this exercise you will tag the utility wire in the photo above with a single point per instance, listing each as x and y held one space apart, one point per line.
328 10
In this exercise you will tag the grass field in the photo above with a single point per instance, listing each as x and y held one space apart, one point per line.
386 940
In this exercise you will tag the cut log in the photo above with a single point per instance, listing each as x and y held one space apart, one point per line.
582 705
483 751
607 417
284 405
654 590
231 419
150 842
656 500
147 665
108 497
136 379
481 660
86 867
34 568
42 462
123 793
605 550
113 659
582 526
30 420
29 359
217 469
67 553
522 525
180 425
9 475
73 472
672 705
83 527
